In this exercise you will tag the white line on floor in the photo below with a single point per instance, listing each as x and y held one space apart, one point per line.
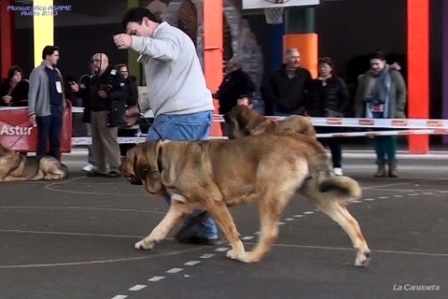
222 249
138 287
156 278
206 256
174 270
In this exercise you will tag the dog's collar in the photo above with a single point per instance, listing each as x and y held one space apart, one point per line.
159 160
259 126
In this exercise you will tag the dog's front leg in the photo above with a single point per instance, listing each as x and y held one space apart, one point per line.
177 211
221 214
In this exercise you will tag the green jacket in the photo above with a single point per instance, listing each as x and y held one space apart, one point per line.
397 96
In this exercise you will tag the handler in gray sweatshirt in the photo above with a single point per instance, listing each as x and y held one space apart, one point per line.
177 93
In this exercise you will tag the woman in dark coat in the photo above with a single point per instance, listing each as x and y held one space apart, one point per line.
328 97
131 101
14 89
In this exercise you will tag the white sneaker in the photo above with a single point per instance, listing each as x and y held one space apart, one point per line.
338 171
89 167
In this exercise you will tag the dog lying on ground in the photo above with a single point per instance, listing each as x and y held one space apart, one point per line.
17 167
245 121
217 174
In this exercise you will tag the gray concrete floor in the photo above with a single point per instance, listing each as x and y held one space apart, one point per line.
74 239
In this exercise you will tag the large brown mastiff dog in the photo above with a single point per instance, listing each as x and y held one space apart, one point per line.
17 167
268 168
244 121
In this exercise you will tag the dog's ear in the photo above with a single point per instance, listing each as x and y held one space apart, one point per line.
308 128
127 163
3 150
153 156
240 114
170 156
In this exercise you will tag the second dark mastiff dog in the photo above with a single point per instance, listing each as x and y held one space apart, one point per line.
244 121
268 168
17 167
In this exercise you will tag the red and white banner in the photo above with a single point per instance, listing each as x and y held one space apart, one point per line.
17 133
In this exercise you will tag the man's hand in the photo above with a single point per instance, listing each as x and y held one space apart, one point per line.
7 99
123 41
102 94
131 116
32 120
244 101
74 86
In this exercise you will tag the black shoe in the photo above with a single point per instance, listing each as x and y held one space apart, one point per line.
95 173
135 181
191 230
113 174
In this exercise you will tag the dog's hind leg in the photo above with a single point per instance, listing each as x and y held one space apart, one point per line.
177 212
339 213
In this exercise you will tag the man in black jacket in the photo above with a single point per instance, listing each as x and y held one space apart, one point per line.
286 87
107 104
235 87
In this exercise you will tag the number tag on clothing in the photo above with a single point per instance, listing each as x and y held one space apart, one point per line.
58 86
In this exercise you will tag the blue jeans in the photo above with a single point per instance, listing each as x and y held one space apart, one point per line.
49 130
187 127
385 146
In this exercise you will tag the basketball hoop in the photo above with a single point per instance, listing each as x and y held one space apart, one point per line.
274 15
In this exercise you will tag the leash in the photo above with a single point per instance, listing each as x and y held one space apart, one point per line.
150 125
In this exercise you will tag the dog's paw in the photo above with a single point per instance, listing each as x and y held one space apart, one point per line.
248 258
142 245
242 257
231 255
362 259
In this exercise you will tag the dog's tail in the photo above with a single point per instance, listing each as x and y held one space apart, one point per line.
343 188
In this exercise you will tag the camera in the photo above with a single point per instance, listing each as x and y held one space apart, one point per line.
111 82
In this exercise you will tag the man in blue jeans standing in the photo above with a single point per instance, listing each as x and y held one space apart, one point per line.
177 93
46 103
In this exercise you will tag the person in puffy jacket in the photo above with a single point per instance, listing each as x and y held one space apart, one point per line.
328 97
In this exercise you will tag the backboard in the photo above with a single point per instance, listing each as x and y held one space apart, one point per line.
257 4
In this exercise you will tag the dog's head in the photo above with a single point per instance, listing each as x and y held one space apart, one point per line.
143 163
242 120
4 151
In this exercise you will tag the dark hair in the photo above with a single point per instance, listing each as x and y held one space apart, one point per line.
121 65
13 70
327 60
136 15
378 55
49 50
